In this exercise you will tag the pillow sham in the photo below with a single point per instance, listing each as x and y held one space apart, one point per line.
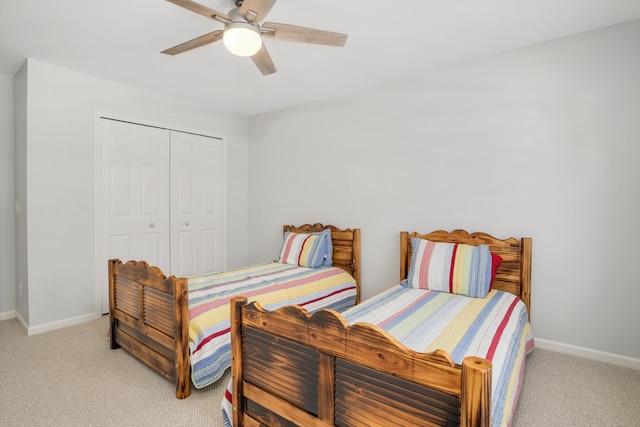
328 259
450 267
306 249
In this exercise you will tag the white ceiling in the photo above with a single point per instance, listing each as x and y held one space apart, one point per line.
121 40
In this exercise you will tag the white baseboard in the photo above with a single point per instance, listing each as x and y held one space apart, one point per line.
22 322
46 327
587 353
6 315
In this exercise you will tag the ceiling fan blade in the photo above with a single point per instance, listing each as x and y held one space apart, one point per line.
198 8
197 42
293 33
263 61
259 9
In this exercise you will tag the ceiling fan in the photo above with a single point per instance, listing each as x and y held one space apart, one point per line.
243 33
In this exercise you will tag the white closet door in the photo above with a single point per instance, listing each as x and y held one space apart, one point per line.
134 196
196 204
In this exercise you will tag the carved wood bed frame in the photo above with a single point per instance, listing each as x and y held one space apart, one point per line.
323 372
149 315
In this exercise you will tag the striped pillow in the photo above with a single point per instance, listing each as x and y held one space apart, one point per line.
450 267
305 250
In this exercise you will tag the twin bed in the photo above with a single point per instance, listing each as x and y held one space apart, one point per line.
180 326
406 357
411 355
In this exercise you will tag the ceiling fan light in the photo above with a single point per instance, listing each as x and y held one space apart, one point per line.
242 39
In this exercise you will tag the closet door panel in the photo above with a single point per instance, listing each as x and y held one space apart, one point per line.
196 206
123 244
152 247
183 258
134 196
210 239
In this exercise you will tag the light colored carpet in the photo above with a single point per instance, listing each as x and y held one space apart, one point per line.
566 391
70 377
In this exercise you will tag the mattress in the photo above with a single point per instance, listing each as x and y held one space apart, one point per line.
273 285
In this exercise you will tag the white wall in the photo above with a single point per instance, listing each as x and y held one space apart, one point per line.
59 193
7 215
540 142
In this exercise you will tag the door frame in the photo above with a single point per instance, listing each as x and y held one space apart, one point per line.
99 264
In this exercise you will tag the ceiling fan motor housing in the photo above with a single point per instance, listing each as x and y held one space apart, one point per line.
241 37
236 16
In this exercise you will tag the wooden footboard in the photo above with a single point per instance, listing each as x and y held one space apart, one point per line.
319 371
150 319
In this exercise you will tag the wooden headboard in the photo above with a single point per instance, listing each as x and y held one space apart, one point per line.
514 273
346 247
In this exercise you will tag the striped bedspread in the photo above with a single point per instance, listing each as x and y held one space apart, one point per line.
273 285
495 328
